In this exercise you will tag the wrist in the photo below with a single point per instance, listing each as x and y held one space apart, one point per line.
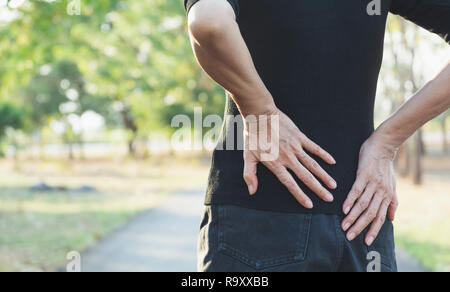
386 143
254 115
258 107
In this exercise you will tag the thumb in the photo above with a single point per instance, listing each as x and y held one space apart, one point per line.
250 169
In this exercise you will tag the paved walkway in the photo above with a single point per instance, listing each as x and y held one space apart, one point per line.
161 240
164 239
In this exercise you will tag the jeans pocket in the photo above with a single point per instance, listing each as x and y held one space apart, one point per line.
263 239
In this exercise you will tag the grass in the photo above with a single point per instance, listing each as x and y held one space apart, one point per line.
38 229
423 219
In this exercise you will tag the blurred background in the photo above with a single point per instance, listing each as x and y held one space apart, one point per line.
88 90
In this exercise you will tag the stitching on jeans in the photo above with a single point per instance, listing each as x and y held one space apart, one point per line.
220 216
307 231
298 255
340 242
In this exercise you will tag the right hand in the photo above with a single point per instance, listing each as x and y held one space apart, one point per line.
292 144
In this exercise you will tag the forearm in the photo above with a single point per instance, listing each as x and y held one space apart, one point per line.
221 51
426 104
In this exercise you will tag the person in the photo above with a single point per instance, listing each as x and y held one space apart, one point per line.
322 203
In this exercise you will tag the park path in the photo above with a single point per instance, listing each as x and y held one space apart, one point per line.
164 240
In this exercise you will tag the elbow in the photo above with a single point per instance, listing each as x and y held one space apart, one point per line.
207 25
207 29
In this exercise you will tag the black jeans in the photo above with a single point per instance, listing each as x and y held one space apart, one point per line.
236 239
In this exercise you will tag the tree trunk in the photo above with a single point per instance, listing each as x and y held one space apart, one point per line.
444 135
81 150
129 124
131 147
41 146
403 161
417 159
71 155
423 149
16 156
80 144
144 152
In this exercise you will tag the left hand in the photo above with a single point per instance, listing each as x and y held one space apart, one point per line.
373 195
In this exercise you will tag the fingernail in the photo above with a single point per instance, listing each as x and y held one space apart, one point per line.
330 198
309 205
346 226
333 184
351 236
347 210
250 189
370 240
333 160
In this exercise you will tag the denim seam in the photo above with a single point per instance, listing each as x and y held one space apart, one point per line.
306 231
340 243
298 255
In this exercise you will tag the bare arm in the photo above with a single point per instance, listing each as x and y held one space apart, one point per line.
221 51
373 195
431 101
223 54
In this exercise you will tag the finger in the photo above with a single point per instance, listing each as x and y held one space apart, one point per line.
288 181
310 181
361 205
393 206
250 171
356 192
378 223
393 209
366 218
316 169
315 149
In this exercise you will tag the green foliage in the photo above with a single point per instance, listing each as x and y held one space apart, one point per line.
10 116
59 91
135 54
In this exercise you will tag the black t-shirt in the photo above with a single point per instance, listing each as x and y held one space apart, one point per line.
320 60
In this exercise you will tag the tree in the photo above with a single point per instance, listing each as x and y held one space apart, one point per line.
11 116
443 123
402 76
59 93
401 43
135 53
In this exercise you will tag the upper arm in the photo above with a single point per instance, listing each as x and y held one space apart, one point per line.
234 3
433 15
